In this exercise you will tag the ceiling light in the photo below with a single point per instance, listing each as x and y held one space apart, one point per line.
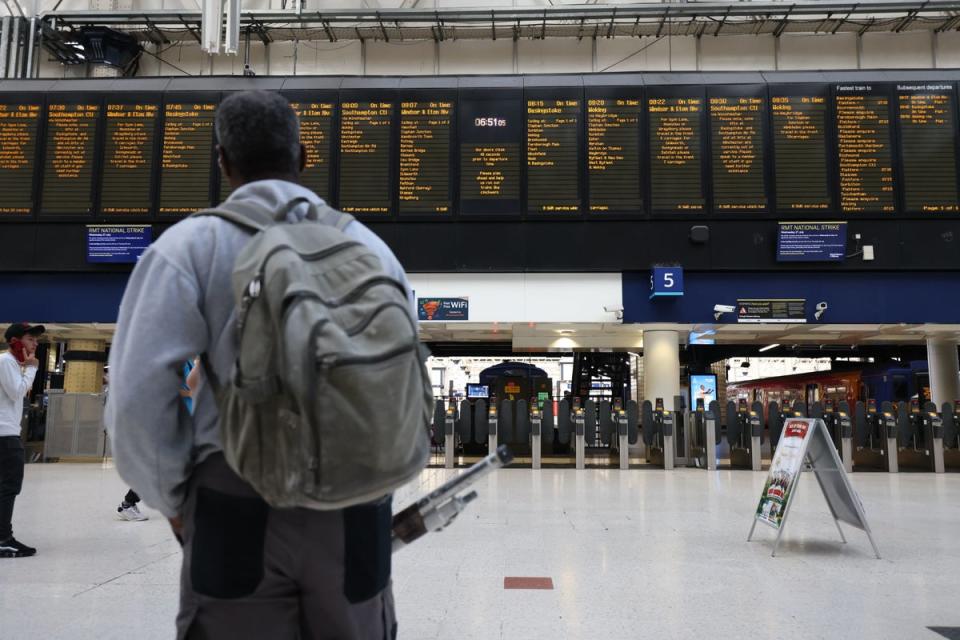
768 347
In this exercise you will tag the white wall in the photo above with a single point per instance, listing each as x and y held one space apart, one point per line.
910 50
818 52
735 53
531 297
918 49
476 56
646 54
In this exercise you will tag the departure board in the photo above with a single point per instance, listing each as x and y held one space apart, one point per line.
185 157
425 128
19 123
865 161
613 154
800 151
490 133
675 154
553 157
128 159
736 135
928 147
316 130
70 155
365 156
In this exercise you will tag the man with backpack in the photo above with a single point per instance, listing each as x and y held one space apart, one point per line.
278 486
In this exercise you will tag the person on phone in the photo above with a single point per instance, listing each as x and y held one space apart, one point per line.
18 368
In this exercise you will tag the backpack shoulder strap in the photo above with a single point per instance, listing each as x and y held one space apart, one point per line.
250 217
322 213
336 219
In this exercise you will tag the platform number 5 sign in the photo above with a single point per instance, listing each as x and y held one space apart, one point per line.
666 281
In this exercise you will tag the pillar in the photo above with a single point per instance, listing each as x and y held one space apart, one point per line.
661 366
944 370
84 366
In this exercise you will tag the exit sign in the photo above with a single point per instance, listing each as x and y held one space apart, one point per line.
666 281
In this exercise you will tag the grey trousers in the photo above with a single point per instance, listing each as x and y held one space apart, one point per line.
252 571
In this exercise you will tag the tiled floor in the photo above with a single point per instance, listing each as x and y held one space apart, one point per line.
644 553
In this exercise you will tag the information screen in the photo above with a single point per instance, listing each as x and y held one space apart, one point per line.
676 159
736 133
863 146
365 156
316 131
70 154
186 157
425 132
800 151
553 155
928 144
19 123
128 159
490 134
613 154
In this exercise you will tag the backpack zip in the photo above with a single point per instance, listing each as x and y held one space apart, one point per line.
328 362
364 323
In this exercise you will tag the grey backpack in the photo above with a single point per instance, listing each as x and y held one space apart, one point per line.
329 401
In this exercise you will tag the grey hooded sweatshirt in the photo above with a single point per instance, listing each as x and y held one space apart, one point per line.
179 303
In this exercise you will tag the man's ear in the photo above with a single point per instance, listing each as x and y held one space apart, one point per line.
303 157
222 161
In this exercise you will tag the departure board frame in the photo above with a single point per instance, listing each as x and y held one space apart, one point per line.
671 93
133 98
619 92
558 97
798 90
96 154
427 95
38 99
186 97
747 91
374 95
924 87
491 104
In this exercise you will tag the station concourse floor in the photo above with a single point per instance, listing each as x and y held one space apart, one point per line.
638 554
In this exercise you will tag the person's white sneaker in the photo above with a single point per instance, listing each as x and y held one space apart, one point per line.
131 513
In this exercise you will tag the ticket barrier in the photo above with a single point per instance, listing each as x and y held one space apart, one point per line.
492 418
618 426
919 437
745 434
449 436
681 430
658 433
840 427
579 419
775 420
536 435
875 437
704 432
951 435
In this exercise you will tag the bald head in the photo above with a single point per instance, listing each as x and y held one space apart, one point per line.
259 138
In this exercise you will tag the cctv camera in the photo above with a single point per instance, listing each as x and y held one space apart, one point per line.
724 308
613 308
821 309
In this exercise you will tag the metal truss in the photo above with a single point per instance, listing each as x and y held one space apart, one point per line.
659 19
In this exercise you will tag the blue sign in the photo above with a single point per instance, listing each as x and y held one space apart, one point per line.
117 243
443 309
666 281
811 241
703 387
